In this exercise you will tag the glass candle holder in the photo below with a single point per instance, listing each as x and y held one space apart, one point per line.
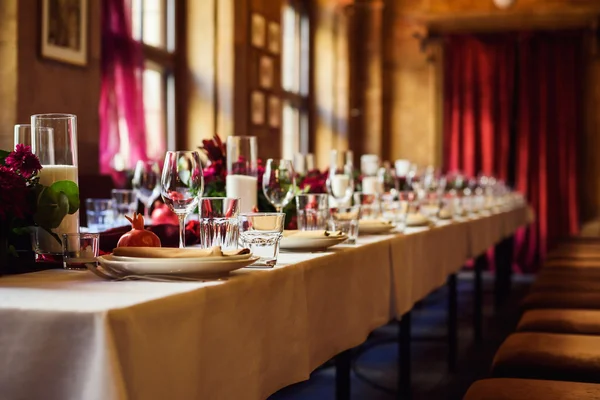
55 144
242 170
345 219
312 211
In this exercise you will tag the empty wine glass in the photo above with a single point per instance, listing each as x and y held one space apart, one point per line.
279 182
340 182
145 182
182 184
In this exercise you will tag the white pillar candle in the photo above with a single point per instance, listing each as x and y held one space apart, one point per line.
70 223
243 187
310 162
299 163
339 185
370 185
369 164
402 167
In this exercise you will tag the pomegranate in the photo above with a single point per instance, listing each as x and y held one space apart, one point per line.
138 236
162 214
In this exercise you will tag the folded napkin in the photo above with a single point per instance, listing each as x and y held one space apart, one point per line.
444 214
319 234
374 222
165 252
416 220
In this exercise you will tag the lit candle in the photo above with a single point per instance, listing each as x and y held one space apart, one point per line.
243 187
339 185
370 185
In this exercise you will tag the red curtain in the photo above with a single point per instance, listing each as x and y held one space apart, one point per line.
121 99
512 109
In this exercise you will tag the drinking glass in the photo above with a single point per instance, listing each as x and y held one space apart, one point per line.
388 180
80 249
146 178
261 233
100 214
340 181
370 205
279 182
125 202
218 217
312 211
345 219
181 185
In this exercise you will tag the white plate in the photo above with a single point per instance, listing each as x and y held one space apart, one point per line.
310 244
196 267
374 229
179 260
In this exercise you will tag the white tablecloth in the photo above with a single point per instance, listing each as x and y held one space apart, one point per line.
68 335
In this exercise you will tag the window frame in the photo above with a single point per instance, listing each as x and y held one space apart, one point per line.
300 99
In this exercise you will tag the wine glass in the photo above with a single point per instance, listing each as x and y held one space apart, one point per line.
146 184
279 182
340 181
182 184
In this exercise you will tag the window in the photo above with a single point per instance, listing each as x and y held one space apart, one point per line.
153 23
294 77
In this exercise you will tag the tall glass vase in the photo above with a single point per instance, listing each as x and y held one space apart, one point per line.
56 147
242 171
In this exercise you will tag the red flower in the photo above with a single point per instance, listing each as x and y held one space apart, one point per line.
13 196
315 181
23 161
214 149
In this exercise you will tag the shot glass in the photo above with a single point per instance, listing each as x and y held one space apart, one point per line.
80 249
100 214
261 233
218 217
125 202
345 219
312 211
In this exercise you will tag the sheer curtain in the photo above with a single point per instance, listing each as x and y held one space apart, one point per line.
512 108
122 126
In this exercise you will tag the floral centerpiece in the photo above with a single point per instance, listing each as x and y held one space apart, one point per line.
215 173
25 204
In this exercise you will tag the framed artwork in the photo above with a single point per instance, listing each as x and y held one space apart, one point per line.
65 31
274 112
257 107
274 38
266 72
258 31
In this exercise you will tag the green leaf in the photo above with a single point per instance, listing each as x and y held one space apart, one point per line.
71 190
51 208
23 230
3 155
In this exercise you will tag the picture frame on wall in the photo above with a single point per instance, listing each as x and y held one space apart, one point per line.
274 112
274 37
64 31
266 72
257 107
258 31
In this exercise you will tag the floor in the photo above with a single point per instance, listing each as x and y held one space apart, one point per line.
374 372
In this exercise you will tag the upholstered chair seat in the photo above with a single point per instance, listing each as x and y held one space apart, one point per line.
531 389
582 322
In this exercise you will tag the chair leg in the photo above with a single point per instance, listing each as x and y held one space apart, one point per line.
342 375
452 323
478 299
404 380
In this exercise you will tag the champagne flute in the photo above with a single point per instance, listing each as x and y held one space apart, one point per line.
279 182
146 184
340 182
182 184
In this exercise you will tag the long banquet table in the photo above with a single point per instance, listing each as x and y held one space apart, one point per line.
69 335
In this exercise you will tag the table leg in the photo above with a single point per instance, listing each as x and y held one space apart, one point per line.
404 380
343 363
503 257
478 298
452 323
